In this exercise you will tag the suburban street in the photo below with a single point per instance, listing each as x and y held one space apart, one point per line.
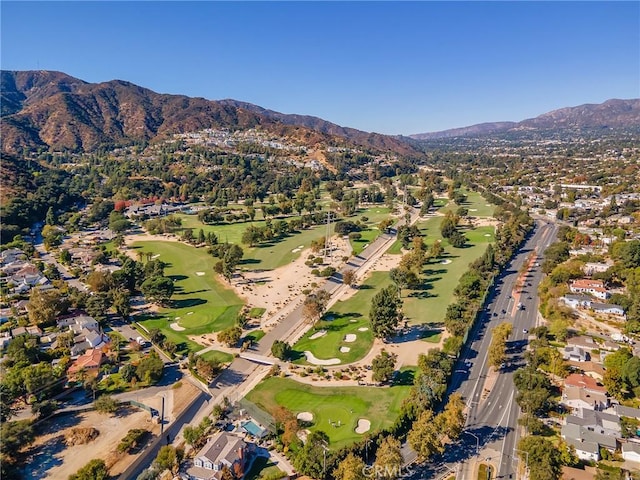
491 432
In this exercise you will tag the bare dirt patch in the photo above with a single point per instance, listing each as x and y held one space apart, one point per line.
51 458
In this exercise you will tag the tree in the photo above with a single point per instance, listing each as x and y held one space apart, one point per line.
44 408
97 306
122 302
436 249
389 459
453 417
281 350
385 312
400 277
169 458
106 404
15 436
96 469
315 304
425 435
351 468
157 289
311 459
50 218
543 458
383 366
349 277
150 368
230 336
45 306
498 346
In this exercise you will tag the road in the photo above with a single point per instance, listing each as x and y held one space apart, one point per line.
491 430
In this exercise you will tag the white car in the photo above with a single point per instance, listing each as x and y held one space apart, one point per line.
524 330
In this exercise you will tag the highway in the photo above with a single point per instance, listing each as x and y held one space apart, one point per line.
491 431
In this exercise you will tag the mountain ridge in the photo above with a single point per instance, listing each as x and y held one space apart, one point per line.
612 113
54 110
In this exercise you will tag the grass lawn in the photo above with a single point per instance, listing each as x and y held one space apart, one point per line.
200 303
254 336
374 216
344 318
256 312
429 304
345 405
266 256
477 205
220 357
263 467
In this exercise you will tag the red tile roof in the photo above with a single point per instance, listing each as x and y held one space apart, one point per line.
584 381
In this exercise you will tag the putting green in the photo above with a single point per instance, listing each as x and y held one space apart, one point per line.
336 410
200 303
345 318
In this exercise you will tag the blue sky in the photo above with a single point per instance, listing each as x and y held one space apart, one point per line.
389 67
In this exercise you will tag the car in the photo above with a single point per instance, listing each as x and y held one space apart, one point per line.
495 314
524 330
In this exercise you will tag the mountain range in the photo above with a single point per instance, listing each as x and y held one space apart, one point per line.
613 113
53 110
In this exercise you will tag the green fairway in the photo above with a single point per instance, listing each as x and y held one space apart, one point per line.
220 357
332 406
201 303
343 319
374 216
265 256
429 303
475 203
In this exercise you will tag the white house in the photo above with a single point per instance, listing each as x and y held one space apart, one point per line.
607 309
631 451
592 287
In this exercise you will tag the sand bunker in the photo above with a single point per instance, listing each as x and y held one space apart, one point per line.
189 313
487 234
305 416
446 261
155 256
200 274
345 349
364 426
350 337
319 334
319 361
176 327
363 329
296 250
473 209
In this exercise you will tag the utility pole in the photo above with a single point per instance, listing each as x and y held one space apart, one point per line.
327 241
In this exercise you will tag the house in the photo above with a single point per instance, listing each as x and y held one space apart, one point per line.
77 322
223 449
16 332
576 301
588 451
631 451
592 287
570 473
582 341
607 309
576 398
578 435
581 380
592 369
575 354
599 422
89 362
630 412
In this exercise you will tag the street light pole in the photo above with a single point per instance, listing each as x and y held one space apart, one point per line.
477 442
